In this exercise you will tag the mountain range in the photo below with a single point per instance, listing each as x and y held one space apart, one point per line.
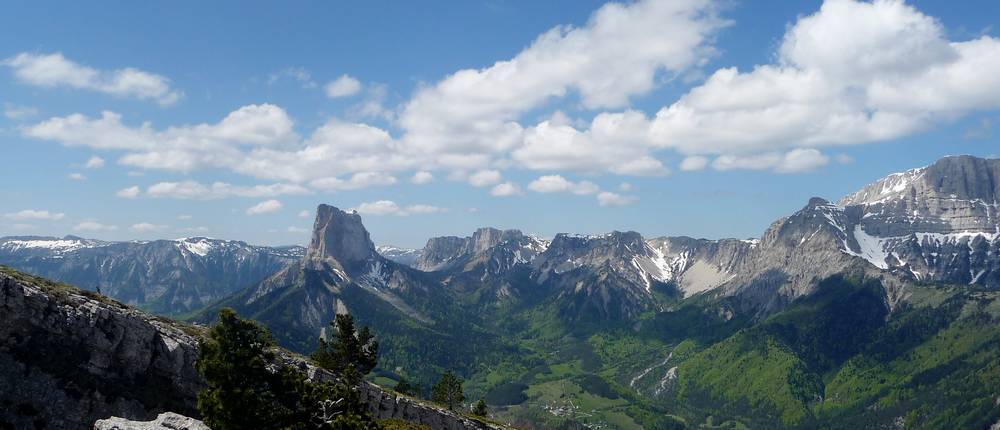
164 276
877 310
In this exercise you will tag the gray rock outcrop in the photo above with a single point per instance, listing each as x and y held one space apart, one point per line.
341 236
164 421
499 250
68 358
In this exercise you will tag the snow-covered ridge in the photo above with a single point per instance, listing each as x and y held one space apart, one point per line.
878 250
55 245
382 249
200 246
888 188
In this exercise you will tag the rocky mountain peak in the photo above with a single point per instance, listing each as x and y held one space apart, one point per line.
816 202
340 235
487 237
486 243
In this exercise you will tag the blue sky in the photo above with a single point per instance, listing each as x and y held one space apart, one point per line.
693 117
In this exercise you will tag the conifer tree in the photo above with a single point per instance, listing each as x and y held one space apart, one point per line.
448 391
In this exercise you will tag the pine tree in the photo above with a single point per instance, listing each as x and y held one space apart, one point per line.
480 408
448 391
242 392
246 391
404 387
351 354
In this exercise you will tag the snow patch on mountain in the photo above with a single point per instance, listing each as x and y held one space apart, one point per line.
54 245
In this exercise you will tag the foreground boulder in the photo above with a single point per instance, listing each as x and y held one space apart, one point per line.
165 421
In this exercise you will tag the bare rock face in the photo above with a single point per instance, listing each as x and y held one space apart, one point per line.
609 276
164 421
793 255
386 405
936 223
68 358
954 195
497 250
341 236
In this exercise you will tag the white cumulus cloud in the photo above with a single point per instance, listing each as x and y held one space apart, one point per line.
129 193
192 190
94 226
55 70
344 86
265 207
389 207
607 198
422 177
559 184
145 227
94 162
506 189
33 214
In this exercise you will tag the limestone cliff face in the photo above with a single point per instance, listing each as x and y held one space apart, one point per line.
953 195
68 358
492 250
937 223
341 236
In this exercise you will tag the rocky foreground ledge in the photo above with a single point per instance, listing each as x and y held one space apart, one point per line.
69 358
165 421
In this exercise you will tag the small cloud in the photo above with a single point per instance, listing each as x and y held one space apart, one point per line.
484 178
297 230
694 162
55 70
184 217
94 162
559 184
217 190
94 226
506 189
129 193
607 198
145 227
982 130
344 86
373 104
843 159
305 214
299 74
356 181
625 186
795 161
423 209
380 207
389 207
422 177
17 112
76 176
265 207
31 214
